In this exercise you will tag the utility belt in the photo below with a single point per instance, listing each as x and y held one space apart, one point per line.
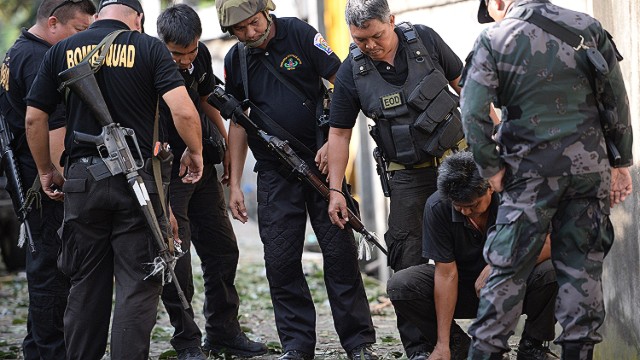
435 162
98 169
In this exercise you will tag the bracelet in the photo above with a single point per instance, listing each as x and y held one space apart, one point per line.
338 191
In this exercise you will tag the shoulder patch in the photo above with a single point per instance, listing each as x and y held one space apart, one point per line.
321 43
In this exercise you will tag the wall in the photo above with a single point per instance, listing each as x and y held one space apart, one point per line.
621 277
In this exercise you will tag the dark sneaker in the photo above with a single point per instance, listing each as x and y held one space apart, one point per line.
192 353
363 352
530 349
295 355
241 345
420 356
459 345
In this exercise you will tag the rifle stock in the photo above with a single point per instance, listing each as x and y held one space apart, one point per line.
230 108
116 155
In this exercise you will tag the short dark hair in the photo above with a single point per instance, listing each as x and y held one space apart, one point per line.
179 24
358 12
65 12
459 179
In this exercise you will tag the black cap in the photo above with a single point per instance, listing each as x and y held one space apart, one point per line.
483 13
134 4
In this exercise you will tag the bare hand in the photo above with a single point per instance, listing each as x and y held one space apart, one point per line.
322 159
481 281
440 352
226 165
190 167
236 204
496 180
52 181
174 227
338 212
621 185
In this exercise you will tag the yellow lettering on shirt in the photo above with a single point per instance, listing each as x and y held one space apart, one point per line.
119 55
4 76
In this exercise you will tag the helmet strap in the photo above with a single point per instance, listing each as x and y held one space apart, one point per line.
260 41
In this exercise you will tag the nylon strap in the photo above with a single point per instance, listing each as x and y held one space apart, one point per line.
157 178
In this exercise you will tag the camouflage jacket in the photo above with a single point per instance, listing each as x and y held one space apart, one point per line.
550 124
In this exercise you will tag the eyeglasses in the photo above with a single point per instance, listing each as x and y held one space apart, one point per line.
65 2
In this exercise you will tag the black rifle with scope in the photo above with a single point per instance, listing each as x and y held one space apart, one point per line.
230 108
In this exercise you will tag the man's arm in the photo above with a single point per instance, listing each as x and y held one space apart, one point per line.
238 146
478 93
187 122
545 253
37 131
445 297
56 143
338 157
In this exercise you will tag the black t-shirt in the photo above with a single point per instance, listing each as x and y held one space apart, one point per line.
137 71
449 236
19 69
345 104
301 55
200 81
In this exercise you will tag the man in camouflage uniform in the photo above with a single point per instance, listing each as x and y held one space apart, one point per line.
552 167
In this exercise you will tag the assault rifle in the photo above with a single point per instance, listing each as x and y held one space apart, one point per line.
230 108
116 155
11 170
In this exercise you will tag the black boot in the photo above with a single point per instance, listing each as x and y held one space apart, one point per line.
532 349
577 351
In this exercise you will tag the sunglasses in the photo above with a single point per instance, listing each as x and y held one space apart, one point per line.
65 2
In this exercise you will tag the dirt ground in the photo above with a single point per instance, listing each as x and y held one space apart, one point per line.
256 313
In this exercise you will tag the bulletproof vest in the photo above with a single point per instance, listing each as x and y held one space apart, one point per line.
416 121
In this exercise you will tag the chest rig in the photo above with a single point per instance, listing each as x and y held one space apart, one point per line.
416 121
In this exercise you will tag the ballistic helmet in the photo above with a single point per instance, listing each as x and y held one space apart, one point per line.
231 12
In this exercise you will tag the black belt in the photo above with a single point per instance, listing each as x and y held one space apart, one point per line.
88 160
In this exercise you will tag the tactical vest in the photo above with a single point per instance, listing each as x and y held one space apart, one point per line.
416 121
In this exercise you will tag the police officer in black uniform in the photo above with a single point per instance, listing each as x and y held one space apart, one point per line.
48 287
301 55
399 76
104 233
200 209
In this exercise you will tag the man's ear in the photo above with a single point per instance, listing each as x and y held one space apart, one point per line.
392 20
52 21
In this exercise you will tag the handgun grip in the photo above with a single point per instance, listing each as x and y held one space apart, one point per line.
79 137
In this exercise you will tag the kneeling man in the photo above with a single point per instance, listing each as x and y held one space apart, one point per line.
456 222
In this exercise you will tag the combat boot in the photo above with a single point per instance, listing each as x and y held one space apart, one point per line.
577 351
420 356
459 345
363 352
241 345
532 349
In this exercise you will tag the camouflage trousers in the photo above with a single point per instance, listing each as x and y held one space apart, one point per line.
577 209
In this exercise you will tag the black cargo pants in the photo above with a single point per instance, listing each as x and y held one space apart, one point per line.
104 236
202 217
282 217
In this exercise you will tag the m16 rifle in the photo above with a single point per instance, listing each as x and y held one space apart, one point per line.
11 170
230 108
116 155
